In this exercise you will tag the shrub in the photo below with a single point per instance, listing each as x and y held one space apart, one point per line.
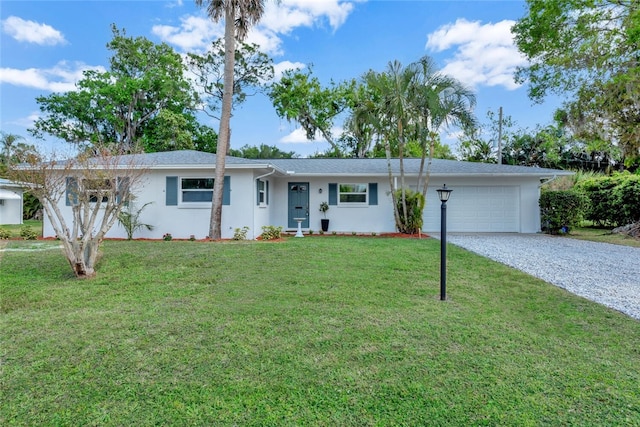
614 200
240 233
270 232
130 220
627 195
28 233
31 206
167 237
4 234
415 205
561 210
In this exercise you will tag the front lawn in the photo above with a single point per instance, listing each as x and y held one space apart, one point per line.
603 235
330 331
14 229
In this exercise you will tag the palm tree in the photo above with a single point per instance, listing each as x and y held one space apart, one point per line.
441 101
412 104
239 16
8 142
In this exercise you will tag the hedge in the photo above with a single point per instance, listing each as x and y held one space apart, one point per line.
560 211
614 200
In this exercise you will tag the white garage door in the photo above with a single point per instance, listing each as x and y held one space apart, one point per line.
477 209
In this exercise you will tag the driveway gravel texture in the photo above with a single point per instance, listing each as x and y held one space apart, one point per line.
605 273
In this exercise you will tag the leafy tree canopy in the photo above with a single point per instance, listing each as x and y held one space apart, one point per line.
252 70
590 50
300 97
144 88
263 152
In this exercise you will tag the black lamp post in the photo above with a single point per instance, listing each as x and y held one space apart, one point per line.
443 194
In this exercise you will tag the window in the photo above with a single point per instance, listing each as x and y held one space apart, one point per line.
196 190
262 189
90 189
98 188
352 193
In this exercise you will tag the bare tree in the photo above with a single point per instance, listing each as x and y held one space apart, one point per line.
82 198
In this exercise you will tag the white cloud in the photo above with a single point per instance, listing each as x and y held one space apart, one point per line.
290 14
32 32
485 54
281 67
299 136
60 78
197 32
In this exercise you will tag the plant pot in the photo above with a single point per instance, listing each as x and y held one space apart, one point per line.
325 224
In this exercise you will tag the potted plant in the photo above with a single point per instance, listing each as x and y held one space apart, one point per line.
324 207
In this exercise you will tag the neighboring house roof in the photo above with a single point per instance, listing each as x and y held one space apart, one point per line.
190 159
5 183
6 188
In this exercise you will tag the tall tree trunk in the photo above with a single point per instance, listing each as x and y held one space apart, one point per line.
215 226
394 199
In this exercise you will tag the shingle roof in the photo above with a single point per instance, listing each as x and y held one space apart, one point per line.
342 167
411 166
183 158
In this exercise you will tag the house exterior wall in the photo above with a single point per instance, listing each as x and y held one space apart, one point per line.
185 220
379 218
11 209
342 218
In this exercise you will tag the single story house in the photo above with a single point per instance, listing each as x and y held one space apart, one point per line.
10 202
257 193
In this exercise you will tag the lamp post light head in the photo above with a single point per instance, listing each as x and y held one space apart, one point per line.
443 193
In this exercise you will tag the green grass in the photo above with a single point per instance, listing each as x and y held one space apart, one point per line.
603 235
14 229
329 331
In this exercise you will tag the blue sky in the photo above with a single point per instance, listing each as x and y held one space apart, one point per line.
45 46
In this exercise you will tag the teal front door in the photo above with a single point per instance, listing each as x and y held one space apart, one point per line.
298 204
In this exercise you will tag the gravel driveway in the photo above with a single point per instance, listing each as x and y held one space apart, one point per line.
604 273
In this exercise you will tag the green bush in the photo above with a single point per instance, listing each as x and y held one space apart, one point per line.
614 200
31 206
4 234
28 233
561 210
415 207
627 194
270 232
240 233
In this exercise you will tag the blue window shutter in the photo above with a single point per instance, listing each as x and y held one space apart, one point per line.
373 193
71 196
333 194
257 192
266 188
172 191
226 191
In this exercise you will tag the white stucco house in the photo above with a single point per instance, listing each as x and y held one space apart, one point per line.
257 193
10 202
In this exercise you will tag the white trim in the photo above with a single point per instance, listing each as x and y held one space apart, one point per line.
9 195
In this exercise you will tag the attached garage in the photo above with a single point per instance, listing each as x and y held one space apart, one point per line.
477 209
484 209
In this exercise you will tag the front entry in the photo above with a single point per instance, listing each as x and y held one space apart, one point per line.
298 204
